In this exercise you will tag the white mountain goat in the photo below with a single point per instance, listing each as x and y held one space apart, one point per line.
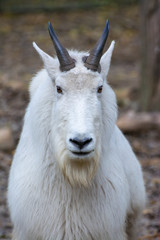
74 175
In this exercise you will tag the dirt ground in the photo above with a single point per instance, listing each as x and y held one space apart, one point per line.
79 30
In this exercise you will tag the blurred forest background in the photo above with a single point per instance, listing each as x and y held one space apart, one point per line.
134 75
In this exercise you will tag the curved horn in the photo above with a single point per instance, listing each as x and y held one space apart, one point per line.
92 61
66 62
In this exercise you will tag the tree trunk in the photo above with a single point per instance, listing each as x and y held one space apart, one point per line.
150 69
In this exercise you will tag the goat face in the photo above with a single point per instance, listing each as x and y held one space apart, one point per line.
77 119
77 109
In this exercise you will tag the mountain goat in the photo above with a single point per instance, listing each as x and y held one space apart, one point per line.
74 175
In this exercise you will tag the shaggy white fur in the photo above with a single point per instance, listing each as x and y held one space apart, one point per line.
55 195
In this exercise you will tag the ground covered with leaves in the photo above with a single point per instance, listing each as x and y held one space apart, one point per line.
80 30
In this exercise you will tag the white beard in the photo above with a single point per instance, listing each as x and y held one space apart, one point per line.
79 171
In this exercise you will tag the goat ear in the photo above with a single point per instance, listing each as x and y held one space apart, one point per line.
106 59
49 62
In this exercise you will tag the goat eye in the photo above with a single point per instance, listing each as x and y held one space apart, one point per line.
100 89
59 90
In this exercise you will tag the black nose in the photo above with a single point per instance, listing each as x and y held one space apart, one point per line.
80 143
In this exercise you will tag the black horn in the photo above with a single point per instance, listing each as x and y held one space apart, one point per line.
66 62
92 61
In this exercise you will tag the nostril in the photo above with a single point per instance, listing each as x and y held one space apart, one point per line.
87 141
81 143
